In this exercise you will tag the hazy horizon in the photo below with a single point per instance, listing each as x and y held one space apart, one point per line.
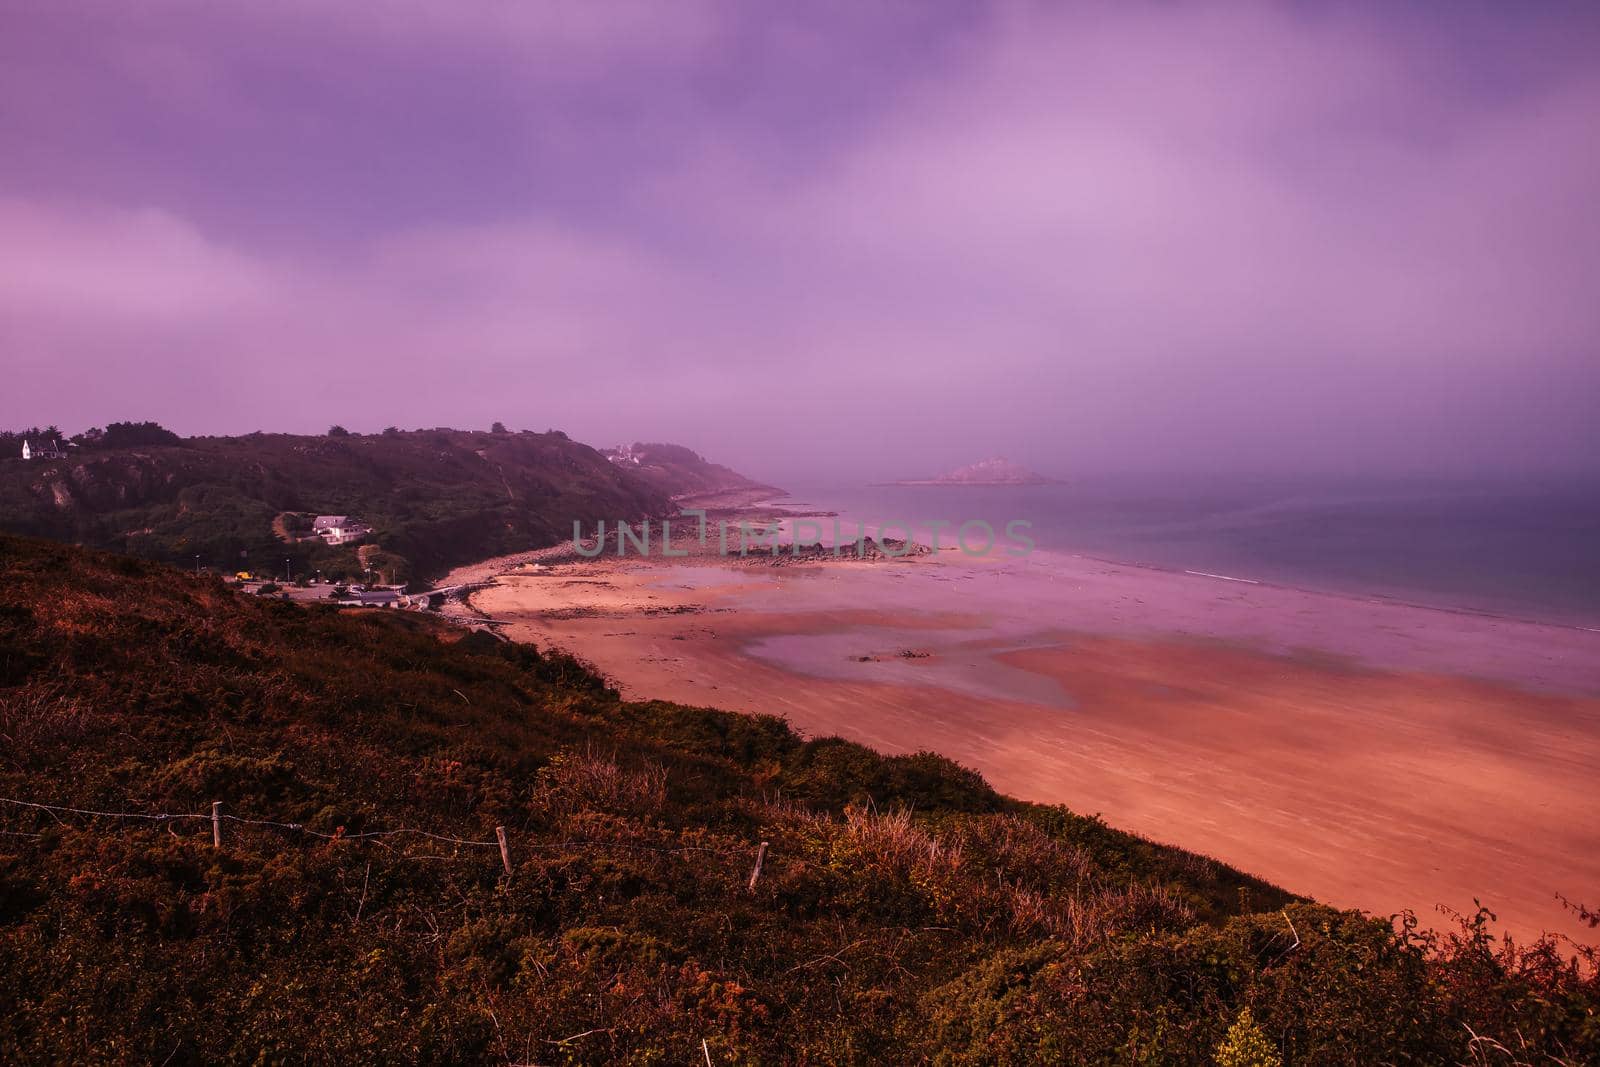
819 243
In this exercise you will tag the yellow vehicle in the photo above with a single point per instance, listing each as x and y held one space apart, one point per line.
243 576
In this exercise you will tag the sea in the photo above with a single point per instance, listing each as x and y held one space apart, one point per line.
1524 550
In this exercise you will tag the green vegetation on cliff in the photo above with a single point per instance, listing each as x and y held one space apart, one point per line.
435 498
904 912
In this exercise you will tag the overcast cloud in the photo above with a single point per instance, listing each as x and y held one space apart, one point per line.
816 241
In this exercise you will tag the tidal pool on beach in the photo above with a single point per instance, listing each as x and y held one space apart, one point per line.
962 661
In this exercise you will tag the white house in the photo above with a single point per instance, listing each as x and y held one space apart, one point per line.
339 529
47 448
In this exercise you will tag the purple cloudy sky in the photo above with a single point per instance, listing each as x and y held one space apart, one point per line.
802 237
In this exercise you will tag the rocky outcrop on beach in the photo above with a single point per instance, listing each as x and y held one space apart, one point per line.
867 548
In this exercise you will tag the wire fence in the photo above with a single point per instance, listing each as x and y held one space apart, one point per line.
217 818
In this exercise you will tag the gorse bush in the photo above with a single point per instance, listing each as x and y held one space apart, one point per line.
1246 1046
905 911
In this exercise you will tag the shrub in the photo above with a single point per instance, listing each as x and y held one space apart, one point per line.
136 435
1246 1045
573 782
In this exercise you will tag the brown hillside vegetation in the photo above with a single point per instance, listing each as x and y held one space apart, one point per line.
357 910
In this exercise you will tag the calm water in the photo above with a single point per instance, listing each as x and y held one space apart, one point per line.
1531 551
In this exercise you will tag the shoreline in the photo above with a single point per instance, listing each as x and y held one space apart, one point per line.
1368 597
1385 590
763 508
1236 720
764 505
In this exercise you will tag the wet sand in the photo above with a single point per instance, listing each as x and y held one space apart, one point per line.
1367 753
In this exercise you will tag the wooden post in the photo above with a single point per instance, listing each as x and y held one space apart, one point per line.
216 824
761 854
505 849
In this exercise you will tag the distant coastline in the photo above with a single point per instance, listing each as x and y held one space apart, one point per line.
942 483
998 471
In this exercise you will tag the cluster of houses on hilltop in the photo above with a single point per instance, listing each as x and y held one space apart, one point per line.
44 448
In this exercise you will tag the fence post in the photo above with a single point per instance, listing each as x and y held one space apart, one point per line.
761 854
505 849
216 824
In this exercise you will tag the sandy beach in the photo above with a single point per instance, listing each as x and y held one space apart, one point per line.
1368 753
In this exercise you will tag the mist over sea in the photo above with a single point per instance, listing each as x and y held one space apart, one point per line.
1525 550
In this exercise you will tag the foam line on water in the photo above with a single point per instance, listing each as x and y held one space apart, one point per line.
1223 577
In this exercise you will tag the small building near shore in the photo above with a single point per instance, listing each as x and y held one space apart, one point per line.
339 529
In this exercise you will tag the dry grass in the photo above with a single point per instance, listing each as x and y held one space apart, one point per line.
1000 874
574 782
37 716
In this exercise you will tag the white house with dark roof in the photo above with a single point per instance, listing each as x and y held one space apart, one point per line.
45 448
339 529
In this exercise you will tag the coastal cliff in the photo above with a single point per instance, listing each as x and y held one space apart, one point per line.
682 474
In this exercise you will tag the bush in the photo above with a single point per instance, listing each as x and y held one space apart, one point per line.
1247 1046
136 435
